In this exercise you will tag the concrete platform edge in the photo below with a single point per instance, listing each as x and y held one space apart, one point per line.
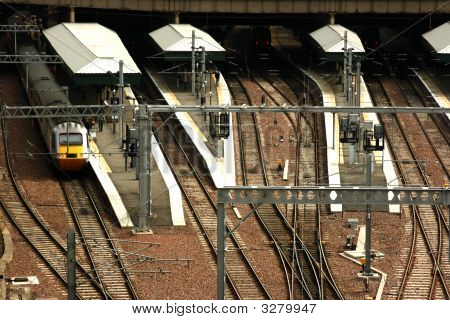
112 194
334 178
386 155
441 98
222 171
176 203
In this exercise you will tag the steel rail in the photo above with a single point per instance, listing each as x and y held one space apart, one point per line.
233 238
33 216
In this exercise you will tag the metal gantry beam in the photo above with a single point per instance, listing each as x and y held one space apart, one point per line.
309 109
28 112
19 28
14 111
30 58
315 195
334 195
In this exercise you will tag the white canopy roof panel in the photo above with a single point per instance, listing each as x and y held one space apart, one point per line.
331 39
90 48
439 38
178 38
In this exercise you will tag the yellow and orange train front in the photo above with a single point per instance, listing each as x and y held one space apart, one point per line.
73 159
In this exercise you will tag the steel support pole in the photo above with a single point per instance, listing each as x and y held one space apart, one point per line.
71 14
177 17
203 69
144 171
150 159
344 69
221 251
358 84
15 38
26 77
71 266
334 125
121 101
368 245
351 153
193 63
350 77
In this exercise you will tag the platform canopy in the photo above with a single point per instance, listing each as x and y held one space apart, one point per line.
175 41
91 53
330 42
438 40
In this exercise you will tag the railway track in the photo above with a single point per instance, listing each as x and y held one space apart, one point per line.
243 282
43 239
434 127
253 168
418 163
302 218
253 172
308 147
306 219
46 243
91 231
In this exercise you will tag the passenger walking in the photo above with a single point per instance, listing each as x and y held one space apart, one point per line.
87 124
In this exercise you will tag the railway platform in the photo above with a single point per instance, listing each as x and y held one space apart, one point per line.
332 132
115 173
339 173
108 157
218 155
441 97
354 174
120 184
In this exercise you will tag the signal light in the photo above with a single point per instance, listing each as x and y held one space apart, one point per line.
257 43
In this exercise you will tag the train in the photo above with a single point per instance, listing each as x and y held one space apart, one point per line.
371 37
65 138
261 37
248 40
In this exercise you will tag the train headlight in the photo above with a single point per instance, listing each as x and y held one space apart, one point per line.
61 155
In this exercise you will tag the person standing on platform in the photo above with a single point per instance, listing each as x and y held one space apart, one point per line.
203 99
87 124
101 120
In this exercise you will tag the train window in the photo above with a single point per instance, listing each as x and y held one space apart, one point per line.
74 138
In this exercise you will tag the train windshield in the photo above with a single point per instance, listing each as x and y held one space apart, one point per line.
74 138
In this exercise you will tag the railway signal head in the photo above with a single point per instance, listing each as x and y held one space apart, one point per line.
373 140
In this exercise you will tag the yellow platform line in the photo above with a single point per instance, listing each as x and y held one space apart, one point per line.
96 153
